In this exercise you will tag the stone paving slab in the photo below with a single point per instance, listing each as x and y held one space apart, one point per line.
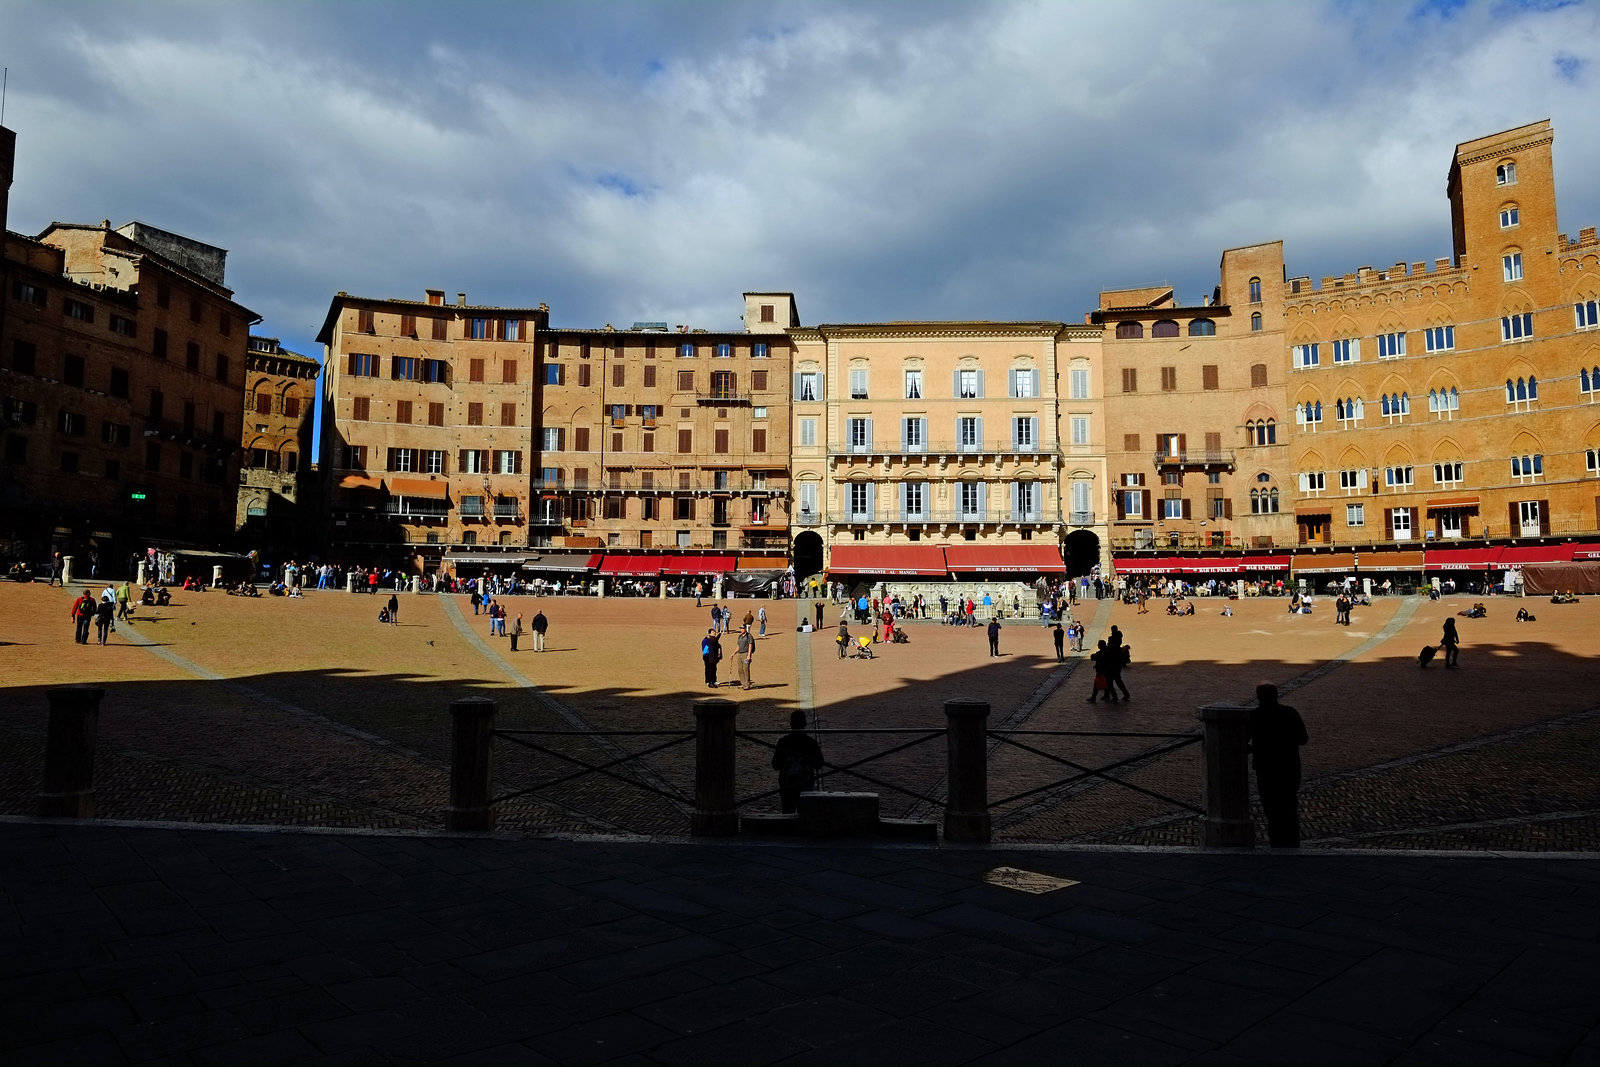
122 943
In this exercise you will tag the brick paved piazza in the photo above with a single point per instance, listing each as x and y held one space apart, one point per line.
309 712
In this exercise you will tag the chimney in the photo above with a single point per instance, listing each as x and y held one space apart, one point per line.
461 299
435 296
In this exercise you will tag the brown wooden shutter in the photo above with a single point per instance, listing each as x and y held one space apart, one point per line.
474 414
758 381
1186 507
1130 442
618 374
508 372
1227 507
435 414
758 441
1122 511
722 442
580 439
1388 524
583 375
1544 518
650 377
1213 444
1144 495
649 442
685 440
1514 523
508 414
1208 376
616 442
1183 444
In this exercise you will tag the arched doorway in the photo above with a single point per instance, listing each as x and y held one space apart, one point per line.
807 554
1083 552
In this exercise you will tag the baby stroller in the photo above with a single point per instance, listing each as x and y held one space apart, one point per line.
862 649
898 637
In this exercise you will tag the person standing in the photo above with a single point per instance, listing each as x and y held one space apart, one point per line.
716 617
746 651
699 590
994 636
1102 680
394 610
818 606
1276 734
843 639
761 617
540 625
797 758
710 655
1451 643
516 631
749 618
1059 636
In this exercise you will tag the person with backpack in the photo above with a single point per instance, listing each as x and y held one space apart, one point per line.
83 610
711 655
797 758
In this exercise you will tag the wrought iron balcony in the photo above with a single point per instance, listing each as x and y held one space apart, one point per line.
1217 459
507 512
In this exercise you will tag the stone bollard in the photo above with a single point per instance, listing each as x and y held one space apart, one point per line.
471 720
350 582
68 791
416 584
966 809
144 573
714 812
66 569
1225 777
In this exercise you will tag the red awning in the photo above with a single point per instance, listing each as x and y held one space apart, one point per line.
1461 559
421 488
1460 500
1327 563
359 481
1148 565
699 564
921 560
1586 551
1517 555
1004 559
1266 563
1214 565
631 566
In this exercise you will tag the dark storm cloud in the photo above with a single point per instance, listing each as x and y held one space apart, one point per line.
896 160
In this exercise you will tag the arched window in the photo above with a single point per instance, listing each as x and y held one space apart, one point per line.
1255 322
1202 328
1164 328
1255 290
1590 378
1383 403
1129 331
1274 501
1511 391
1405 403
1505 174
1533 388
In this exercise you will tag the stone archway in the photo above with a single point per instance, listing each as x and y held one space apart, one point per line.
1082 552
807 554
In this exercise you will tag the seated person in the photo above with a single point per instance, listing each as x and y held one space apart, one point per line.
1564 598
1523 615
1188 608
163 598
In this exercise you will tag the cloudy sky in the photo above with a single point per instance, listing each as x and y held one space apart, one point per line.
896 160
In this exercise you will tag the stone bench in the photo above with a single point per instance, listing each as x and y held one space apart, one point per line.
827 815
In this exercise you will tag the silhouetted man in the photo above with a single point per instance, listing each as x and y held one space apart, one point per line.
1276 734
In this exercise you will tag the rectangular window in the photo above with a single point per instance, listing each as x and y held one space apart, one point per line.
1078 383
440 329
508 372
1080 429
810 386
24 357
123 326
1400 523
1130 379
28 294
1509 217
969 435
758 381
364 321
1172 507
194 309
77 309
1307 355
552 439
222 367
474 414
967 384
722 350
1208 376
185 465
1355 514
508 414
808 433
1527 468
157 403
724 385
859 433
1391 345
1347 350
1446 473
1439 338
619 375
1169 379
1511 266
758 440
479 329
580 439
1022 433
759 351
158 343
72 371
971 501
435 414
858 383
1024 385
403 459
511 330
686 381
1133 503
362 364
507 461
685 440
913 385
720 441
1130 442
584 373
402 411
650 377
69 463
360 408
473 461
1587 314
1516 327
114 433
1313 482
433 461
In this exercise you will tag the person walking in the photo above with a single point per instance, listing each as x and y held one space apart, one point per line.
540 625
394 610
797 758
1276 734
1451 643
1059 636
516 631
83 611
746 652
699 590
994 636
749 618
1102 680
103 614
711 655
125 601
